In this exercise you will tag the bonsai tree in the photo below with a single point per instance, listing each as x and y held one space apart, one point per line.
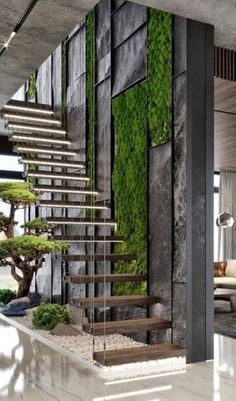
25 252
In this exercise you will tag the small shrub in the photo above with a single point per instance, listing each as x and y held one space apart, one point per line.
6 296
47 316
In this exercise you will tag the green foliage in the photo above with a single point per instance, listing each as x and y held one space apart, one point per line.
17 193
6 296
159 75
130 183
32 86
47 316
90 93
38 226
30 246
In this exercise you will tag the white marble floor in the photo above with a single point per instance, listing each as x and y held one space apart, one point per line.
31 371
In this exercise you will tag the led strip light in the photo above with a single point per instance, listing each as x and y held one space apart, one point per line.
16 126
65 205
87 223
28 118
46 151
16 137
57 177
50 162
65 191
28 109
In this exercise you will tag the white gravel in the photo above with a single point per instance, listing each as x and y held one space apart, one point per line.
83 344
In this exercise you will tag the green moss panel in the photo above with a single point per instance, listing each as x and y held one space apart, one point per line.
90 93
159 79
130 183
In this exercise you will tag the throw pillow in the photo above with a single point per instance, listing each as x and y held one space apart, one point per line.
230 270
219 269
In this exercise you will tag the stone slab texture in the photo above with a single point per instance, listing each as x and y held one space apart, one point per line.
160 236
76 126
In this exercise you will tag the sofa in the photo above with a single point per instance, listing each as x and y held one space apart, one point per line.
225 274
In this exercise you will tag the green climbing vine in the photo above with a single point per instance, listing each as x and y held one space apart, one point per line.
130 183
159 53
32 88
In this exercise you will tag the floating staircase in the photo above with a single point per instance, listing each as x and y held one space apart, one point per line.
39 137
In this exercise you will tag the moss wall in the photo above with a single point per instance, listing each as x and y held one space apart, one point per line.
130 182
159 53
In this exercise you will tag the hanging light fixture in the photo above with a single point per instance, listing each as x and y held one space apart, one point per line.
225 220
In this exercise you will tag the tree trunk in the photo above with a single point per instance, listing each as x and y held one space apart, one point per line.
10 226
24 285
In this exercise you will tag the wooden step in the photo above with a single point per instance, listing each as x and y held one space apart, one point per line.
100 278
28 106
23 148
139 354
86 238
30 119
81 221
31 138
53 163
57 176
29 129
65 189
123 300
127 326
71 205
98 258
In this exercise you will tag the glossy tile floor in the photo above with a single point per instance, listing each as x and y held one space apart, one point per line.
31 371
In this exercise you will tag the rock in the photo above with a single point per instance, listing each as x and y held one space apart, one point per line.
36 298
77 315
29 312
23 300
62 329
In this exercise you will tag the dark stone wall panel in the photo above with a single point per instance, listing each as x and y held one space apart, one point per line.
117 3
160 235
127 20
103 33
180 37
44 82
179 314
130 62
56 80
76 56
103 139
179 173
76 128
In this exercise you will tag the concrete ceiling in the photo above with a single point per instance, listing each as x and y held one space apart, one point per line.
52 20
220 13
45 28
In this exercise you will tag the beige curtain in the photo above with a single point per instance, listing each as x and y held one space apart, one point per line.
227 203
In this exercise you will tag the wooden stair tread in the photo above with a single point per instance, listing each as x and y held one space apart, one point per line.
127 326
32 119
87 238
123 300
41 161
58 175
99 258
99 278
71 204
40 149
78 220
20 128
58 188
29 105
139 354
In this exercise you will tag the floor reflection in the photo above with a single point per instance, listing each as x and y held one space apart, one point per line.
31 371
